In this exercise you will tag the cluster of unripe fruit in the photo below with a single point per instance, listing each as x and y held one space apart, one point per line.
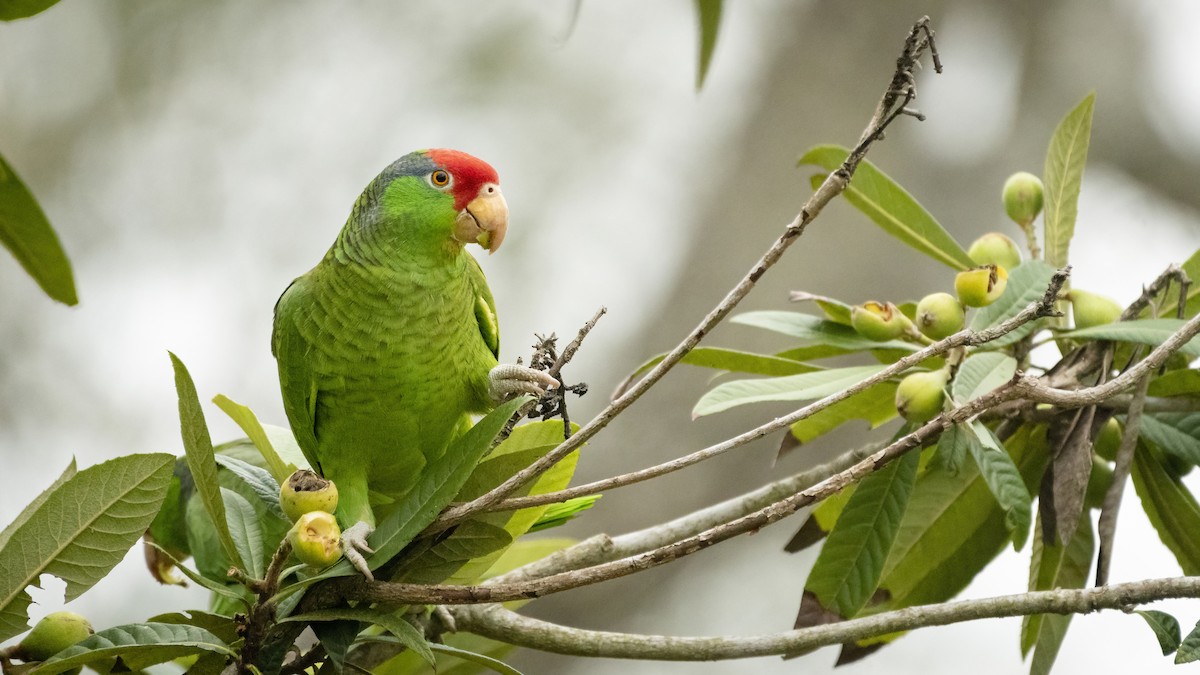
921 396
309 501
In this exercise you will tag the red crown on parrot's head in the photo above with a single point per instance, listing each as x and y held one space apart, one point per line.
469 173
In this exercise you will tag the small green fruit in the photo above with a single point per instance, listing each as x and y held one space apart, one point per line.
1108 440
316 539
1023 195
921 396
980 286
305 491
939 315
994 248
54 633
1091 309
878 321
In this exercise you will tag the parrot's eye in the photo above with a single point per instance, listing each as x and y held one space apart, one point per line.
439 178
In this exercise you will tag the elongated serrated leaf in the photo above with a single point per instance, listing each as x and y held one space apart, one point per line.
80 531
891 207
224 627
1165 627
1003 479
389 621
438 484
561 513
246 533
1171 508
802 387
953 528
11 10
1151 332
726 359
257 479
32 507
1027 283
1176 383
952 449
1055 567
981 373
848 569
816 330
246 419
1063 175
26 233
1189 648
875 405
494 665
149 643
709 13
197 446
1176 433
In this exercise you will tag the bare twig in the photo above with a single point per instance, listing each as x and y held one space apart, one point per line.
498 623
1036 309
1107 525
899 94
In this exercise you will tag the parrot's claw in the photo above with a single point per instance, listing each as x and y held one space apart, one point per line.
507 380
354 545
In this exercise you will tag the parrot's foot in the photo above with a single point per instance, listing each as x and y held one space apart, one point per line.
506 380
444 620
354 545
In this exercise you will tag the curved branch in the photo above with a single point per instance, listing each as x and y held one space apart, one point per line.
495 622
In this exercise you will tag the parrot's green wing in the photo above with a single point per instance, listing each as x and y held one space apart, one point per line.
485 308
291 349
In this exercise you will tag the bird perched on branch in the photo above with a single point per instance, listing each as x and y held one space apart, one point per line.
388 345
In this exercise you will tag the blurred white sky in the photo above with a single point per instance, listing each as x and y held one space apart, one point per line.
194 165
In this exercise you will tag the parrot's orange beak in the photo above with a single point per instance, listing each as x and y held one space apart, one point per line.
485 219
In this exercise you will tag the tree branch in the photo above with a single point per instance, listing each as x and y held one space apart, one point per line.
900 93
501 624
1036 309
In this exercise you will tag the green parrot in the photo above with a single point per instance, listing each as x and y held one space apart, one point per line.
390 343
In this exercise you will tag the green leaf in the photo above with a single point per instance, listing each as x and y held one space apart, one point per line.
709 12
246 533
980 373
1052 567
835 310
24 229
1026 283
259 480
197 445
562 513
729 359
891 207
245 418
404 631
80 531
524 552
802 387
848 569
144 644
1176 433
224 627
876 405
812 329
1176 383
1065 160
494 665
24 516
1151 332
953 528
1189 649
1003 479
408 663
952 449
438 484
1169 505
20 9
1165 627
1170 303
